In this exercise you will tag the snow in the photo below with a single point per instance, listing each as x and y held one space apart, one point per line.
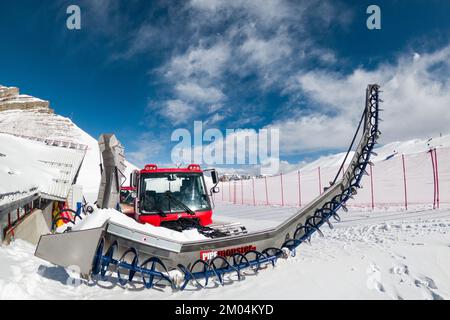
101 216
21 98
383 152
369 255
21 170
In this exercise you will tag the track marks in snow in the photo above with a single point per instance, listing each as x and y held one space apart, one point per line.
428 288
374 278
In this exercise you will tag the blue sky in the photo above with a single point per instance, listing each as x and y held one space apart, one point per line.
144 68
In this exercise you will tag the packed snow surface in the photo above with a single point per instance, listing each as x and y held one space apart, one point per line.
100 217
385 254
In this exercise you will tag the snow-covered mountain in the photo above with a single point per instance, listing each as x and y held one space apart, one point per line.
28 116
387 151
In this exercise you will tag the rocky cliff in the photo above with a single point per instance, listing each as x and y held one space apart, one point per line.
11 99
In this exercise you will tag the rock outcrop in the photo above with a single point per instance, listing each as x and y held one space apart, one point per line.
11 99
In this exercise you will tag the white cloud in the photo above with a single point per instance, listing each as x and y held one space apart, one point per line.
214 107
416 91
259 39
265 52
178 111
199 61
265 11
194 92
147 149
313 133
217 117
194 76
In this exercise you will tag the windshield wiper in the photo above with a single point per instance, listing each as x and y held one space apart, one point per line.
181 203
158 208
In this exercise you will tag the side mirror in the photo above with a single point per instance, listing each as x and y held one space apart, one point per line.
215 190
134 179
215 177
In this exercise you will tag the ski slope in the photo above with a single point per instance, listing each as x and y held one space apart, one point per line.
383 152
369 255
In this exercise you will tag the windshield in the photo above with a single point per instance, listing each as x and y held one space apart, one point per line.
185 187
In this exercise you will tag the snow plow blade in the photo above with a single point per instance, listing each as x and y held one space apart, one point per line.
76 248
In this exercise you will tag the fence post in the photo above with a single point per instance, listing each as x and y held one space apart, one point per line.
437 177
253 188
371 186
320 182
282 190
434 178
242 191
404 181
299 190
267 194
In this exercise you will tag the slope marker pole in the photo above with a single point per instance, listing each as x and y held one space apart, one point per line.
404 181
254 199
282 190
267 194
434 178
242 191
320 182
299 190
371 187
437 177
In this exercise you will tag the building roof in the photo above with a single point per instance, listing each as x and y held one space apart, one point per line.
28 166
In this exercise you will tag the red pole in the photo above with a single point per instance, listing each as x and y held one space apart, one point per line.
299 190
371 186
234 191
404 181
437 177
253 188
242 191
9 220
434 179
267 194
282 189
320 182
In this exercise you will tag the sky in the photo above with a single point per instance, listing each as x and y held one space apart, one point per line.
142 69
